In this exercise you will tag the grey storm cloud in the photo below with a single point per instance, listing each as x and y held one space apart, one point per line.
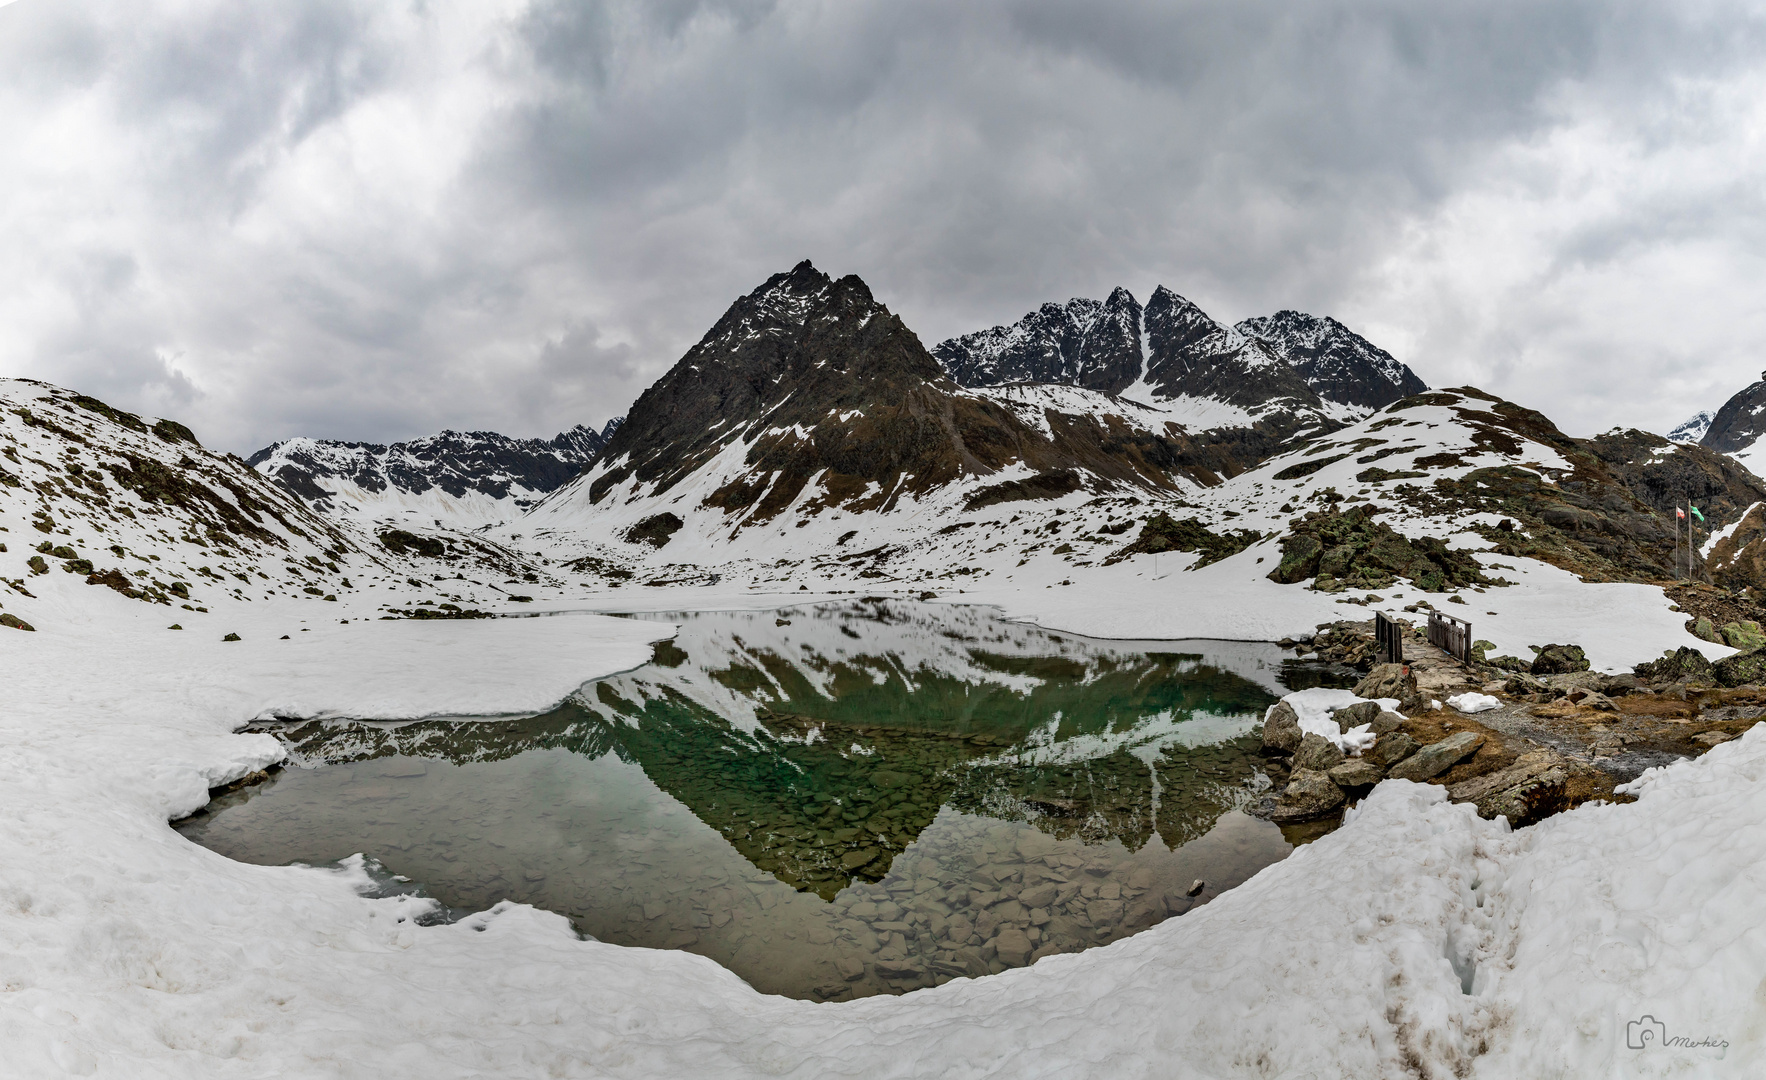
373 220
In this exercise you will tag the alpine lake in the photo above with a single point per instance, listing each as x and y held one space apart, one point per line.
832 801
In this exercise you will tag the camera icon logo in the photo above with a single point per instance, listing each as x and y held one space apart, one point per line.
1644 1032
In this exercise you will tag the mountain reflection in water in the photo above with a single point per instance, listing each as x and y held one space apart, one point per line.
914 792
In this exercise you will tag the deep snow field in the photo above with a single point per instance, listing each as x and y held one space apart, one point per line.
1415 940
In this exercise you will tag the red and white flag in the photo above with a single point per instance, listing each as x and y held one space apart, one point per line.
1679 513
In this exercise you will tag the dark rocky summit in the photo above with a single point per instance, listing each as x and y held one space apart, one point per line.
817 380
1741 421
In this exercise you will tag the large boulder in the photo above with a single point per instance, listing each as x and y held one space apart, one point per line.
1436 758
1281 729
1559 660
1308 795
1740 669
1683 664
1743 635
1530 789
1390 681
1317 754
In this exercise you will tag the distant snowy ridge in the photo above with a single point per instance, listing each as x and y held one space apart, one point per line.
1692 430
1287 362
461 479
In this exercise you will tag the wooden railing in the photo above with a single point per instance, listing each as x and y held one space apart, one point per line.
1452 636
1388 640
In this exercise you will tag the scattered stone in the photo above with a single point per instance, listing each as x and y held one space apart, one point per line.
1594 699
1356 772
1317 754
1281 729
174 626
1560 659
231 637
1391 748
1353 716
1436 758
1196 888
1308 795
849 968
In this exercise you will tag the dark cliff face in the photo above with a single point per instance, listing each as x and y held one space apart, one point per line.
456 462
817 380
1191 354
1341 365
1080 343
1740 422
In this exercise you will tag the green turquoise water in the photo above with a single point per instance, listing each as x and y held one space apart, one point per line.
833 801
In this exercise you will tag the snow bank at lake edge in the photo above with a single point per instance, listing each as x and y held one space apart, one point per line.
130 952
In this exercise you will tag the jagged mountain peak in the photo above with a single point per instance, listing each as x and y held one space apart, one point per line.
463 478
1084 342
1340 364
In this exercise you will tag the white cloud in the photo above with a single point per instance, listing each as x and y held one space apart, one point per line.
360 219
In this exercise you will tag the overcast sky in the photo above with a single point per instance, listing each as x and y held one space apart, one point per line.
374 220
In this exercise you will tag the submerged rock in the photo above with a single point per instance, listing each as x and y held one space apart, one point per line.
1436 758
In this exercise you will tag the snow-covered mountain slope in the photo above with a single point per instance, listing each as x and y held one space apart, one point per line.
1080 343
1692 429
1285 374
809 412
105 515
458 479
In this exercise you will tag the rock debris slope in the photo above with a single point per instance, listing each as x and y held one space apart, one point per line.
462 479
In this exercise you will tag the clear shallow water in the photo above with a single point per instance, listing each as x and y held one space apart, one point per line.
848 799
